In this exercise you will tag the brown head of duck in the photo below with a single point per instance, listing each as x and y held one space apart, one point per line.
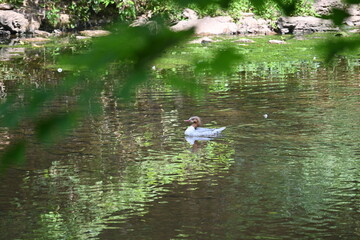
195 121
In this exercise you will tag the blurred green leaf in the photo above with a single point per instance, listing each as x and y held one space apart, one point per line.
125 92
139 45
258 4
9 116
52 128
338 46
37 99
352 1
13 112
189 85
287 7
222 62
13 155
337 16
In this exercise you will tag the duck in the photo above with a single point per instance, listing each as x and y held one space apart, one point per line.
194 130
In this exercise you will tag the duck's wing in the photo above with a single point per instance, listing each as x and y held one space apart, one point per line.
202 129
219 130
208 132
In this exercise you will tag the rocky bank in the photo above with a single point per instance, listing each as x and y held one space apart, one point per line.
250 24
28 20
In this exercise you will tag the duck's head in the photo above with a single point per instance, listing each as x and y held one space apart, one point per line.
195 121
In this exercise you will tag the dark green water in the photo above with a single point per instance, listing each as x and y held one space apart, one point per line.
130 173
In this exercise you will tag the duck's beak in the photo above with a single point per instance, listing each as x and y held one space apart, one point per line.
187 120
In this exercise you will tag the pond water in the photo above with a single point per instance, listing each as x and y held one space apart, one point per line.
287 166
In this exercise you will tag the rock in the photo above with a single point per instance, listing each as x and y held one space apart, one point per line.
153 26
94 33
354 10
142 20
244 40
248 14
4 34
57 32
190 14
208 25
35 40
277 42
64 19
5 6
324 7
203 40
13 21
34 22
216 25
183 25
41 33
82 37
353 21
301 25
341 34
354 31
251 25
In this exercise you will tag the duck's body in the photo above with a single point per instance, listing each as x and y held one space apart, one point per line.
196 131
203 132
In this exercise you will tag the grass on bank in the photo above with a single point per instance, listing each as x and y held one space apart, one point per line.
296 48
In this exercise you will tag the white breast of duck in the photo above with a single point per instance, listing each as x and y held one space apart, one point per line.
196 131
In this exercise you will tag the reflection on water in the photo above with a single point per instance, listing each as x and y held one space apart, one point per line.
196 140
131 174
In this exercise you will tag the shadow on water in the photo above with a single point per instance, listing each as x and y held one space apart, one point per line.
130 173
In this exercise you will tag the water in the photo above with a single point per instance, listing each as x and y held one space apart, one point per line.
130 173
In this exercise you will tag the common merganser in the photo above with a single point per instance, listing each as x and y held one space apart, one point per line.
196 131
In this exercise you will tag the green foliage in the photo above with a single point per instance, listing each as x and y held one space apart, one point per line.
352 1
84 11
204 4
53 15
13 2
268 9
